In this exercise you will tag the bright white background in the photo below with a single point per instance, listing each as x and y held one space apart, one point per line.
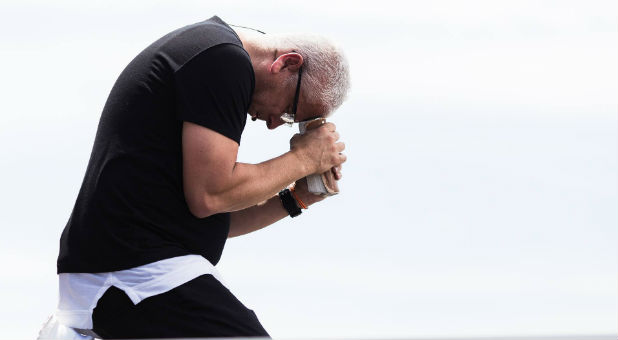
480 195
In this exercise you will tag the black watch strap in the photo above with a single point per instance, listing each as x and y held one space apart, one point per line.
289 203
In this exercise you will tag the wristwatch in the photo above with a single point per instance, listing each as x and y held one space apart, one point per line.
289 203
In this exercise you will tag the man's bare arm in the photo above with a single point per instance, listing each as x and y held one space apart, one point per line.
256 217
214 182
262 215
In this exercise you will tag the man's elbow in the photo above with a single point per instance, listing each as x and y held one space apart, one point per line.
204 206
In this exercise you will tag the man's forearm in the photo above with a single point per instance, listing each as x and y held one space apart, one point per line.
253 183
262 215
256 217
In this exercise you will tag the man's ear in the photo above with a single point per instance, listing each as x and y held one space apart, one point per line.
288 61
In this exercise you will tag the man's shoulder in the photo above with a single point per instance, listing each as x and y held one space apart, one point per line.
185 43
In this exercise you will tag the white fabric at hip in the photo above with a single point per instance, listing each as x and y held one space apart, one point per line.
80 292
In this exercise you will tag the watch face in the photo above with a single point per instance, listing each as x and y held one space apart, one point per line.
289 203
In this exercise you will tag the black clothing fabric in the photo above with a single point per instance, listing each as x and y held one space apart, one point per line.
131 208
201 307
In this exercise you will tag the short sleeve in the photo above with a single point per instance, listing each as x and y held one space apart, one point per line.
214 89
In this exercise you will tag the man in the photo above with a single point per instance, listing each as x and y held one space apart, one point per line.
163 189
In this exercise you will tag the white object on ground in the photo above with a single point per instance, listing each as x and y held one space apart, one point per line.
54 330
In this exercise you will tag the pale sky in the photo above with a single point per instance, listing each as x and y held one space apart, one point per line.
480 197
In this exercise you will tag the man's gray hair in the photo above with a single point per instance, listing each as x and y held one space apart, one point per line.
326 74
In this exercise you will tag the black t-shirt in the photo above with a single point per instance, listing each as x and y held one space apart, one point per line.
131 208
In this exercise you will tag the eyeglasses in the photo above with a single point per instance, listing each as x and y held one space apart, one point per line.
290 118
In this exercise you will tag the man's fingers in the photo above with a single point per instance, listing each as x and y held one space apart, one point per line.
336 170
328 131
342 158
330 127
340 146
335 174
336 134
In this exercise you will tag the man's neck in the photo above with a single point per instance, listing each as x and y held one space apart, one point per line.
261 57
252 43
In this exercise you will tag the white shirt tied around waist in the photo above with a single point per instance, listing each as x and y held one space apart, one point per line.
80 292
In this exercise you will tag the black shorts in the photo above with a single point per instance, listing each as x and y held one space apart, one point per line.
202 307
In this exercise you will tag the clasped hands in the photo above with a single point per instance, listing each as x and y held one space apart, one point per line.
319 150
